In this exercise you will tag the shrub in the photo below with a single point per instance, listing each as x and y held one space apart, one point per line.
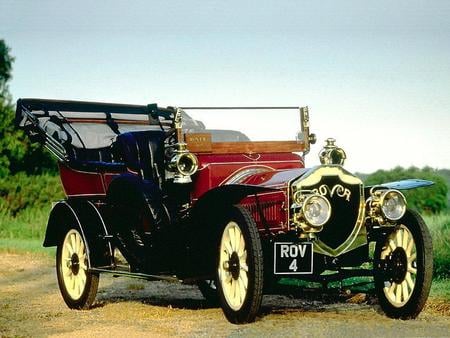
20 192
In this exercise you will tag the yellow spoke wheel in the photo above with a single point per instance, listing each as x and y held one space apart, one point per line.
240 267
77 284
403 268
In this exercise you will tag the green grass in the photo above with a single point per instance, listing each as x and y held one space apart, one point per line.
30 223
20 246
440 288
439 226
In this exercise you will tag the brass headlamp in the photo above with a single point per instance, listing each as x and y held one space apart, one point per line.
310 211
386 204
182 163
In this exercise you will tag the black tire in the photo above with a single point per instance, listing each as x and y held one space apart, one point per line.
208 289
240 267
402 274
77 284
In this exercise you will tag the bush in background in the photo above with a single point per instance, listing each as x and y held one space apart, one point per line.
20 192
25 203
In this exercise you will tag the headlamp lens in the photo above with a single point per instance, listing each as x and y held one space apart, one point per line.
393 205
316 210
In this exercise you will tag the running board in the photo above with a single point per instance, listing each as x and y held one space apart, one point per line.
118 273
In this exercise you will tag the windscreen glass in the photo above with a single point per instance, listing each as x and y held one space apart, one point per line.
240 125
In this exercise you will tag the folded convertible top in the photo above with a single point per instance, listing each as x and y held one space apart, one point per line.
81 106
90 125
40 107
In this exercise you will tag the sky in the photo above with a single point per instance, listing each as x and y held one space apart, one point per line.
375 74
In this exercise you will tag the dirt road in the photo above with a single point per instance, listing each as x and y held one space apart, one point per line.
30 305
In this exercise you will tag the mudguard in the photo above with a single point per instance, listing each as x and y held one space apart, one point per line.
82 215
405 184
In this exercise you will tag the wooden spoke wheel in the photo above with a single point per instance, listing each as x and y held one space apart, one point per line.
77 284
240 268
403 268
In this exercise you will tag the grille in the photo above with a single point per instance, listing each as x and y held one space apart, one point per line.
270 210
345 209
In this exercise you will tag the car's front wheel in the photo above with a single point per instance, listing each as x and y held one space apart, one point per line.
77 284
404 267
240 267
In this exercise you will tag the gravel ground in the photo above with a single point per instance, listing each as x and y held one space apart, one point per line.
31 305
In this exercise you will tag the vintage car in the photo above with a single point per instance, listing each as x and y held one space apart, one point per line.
198 202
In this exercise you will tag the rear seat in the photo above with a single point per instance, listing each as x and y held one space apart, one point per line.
94 160
142 152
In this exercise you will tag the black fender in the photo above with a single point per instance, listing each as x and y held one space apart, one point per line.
83 215
203 229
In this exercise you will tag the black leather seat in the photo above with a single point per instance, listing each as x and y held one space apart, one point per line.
142 152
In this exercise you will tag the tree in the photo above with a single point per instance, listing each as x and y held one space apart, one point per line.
6 61
17 153
428 199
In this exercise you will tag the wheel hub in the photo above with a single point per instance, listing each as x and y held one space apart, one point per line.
75 264
398 265
234 265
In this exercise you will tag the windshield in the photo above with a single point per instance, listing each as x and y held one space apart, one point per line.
243 125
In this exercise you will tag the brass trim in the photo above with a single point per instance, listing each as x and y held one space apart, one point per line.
332 154
358 236
375 202
316 173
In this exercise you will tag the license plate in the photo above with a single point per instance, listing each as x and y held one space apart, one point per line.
293 258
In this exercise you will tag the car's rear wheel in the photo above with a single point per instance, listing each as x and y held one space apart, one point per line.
77 284
240 267
404 268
